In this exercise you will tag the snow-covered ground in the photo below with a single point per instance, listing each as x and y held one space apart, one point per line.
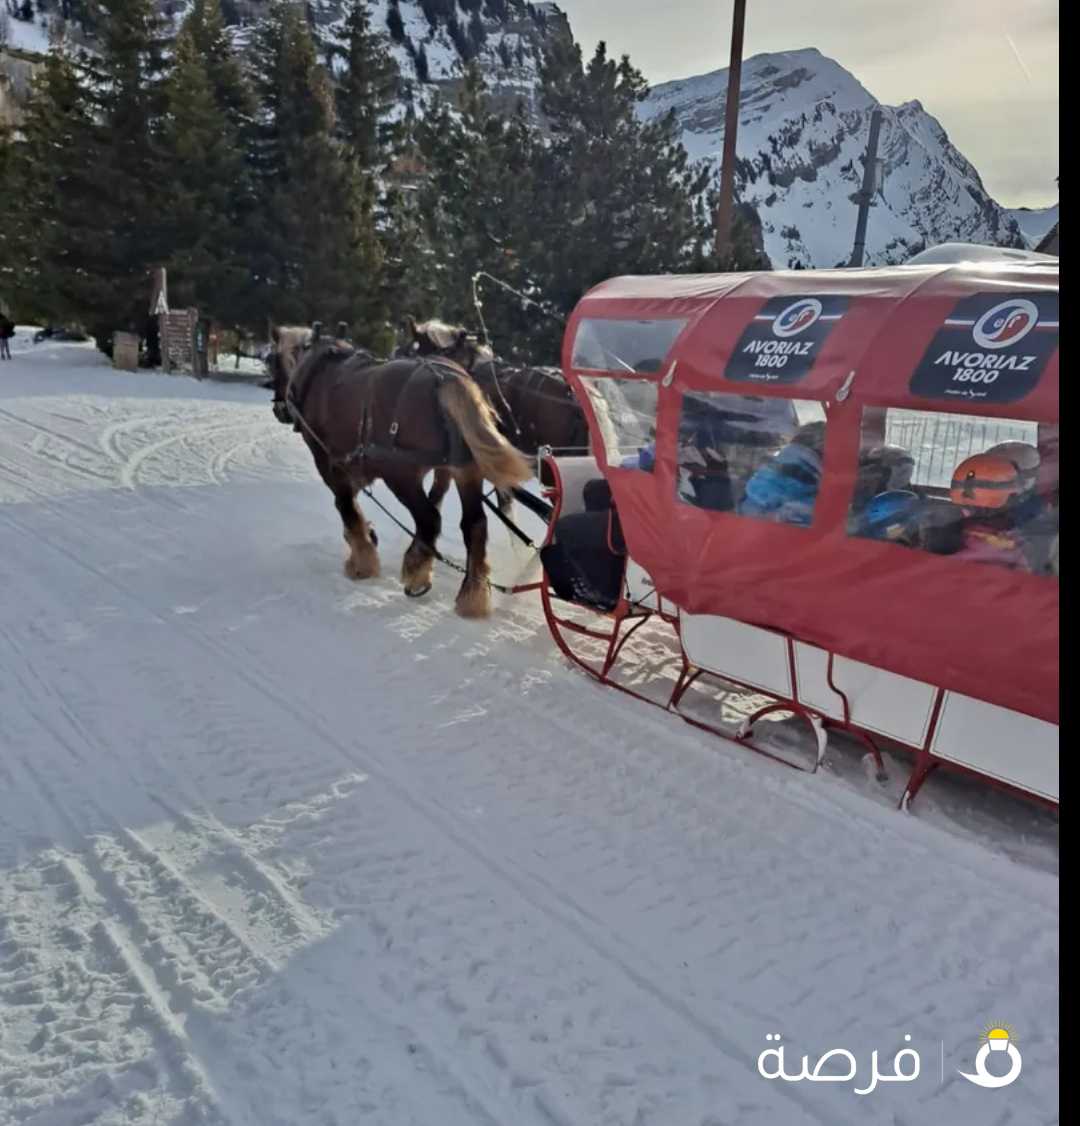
277 849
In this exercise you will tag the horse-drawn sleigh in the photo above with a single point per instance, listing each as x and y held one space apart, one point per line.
835 489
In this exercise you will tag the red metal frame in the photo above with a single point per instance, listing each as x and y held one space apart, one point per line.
623 612
926 762
626 611
691 674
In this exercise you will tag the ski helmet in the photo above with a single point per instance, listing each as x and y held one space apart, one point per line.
986 481
1024 456
892 515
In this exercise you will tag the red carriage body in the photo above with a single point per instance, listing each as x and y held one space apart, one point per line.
938 650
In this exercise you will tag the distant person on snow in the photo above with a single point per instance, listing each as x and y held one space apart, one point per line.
7 331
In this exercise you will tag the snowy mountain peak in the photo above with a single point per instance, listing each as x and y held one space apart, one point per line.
804 123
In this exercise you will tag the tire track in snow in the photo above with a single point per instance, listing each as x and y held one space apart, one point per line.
59 435
173 951
108 437
129 471
564 914
88 1009
188 961
224 457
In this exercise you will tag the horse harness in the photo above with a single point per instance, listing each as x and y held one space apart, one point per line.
454 453
534 383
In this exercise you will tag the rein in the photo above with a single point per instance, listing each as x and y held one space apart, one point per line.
452 563
478 305
301 422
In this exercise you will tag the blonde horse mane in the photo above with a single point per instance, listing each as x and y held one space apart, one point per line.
290 341
444 336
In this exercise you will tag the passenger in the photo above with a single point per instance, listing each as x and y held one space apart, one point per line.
1026 459
587 559
941 527
893 517
987 488
785 488
1033 515
882 469
643 459
722 441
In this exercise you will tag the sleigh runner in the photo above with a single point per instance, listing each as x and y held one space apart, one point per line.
839 491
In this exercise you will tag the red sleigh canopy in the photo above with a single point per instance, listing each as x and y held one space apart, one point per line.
944 354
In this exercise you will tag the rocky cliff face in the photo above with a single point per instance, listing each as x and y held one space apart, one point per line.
433 39
429 38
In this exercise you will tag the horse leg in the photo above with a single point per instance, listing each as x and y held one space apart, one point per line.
474 597
362 561
439 487
363 558
419 560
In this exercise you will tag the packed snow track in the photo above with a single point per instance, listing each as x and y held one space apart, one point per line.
278 849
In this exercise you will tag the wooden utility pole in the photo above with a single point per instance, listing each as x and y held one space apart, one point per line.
871 183
725 208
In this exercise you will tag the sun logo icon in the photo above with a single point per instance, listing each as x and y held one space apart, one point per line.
997 1038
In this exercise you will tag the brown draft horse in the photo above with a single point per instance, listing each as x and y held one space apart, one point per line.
535 406
365 420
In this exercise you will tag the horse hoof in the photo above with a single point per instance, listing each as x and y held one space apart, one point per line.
418 593
366 568
474 602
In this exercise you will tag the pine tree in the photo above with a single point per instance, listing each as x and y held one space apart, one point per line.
8 191
208 122
623 190
477 204
313 250
84 225
411 282
53 238
205 24
367 91
127 86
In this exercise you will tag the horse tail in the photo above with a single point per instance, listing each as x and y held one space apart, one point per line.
466 406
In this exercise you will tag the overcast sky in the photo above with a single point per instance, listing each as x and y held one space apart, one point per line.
997 101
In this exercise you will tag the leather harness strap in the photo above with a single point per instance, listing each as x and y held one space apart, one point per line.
454 452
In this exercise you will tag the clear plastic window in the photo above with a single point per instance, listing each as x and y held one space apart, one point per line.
756 456
629 346
982 489
625 412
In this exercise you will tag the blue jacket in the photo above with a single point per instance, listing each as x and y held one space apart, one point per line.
786 487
